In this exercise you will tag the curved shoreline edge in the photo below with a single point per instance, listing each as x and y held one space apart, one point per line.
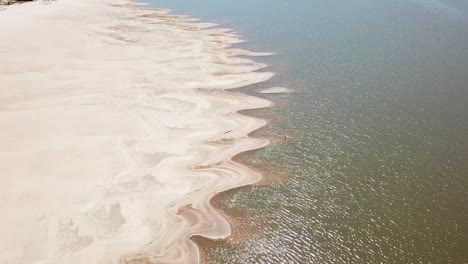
233 174
118 131
196 214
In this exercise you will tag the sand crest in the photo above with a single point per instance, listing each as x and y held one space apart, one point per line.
116 132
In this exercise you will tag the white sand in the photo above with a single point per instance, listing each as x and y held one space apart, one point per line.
276 90
115 132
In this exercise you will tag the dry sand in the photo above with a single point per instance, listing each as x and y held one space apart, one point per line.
116 132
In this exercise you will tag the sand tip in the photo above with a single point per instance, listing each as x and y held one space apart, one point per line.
276 90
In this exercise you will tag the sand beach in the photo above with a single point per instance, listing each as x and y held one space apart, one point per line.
116 130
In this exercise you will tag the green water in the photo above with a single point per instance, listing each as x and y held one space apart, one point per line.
376 170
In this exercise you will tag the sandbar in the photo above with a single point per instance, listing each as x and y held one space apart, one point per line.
116 131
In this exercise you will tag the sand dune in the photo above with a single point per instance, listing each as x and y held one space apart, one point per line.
116 131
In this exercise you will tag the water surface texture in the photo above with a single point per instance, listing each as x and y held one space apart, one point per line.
376 167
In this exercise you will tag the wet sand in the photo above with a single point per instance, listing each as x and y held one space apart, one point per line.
117 132
276 90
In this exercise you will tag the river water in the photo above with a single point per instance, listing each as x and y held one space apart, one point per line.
374 168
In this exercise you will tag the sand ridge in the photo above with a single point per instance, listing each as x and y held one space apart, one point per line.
116 132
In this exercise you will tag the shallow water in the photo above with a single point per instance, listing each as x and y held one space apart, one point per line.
376 168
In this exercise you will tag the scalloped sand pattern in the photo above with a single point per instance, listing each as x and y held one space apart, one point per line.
116 132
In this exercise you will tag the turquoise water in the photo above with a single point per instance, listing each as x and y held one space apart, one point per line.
376 170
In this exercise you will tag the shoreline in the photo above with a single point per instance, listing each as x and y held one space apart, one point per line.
126 129
204 211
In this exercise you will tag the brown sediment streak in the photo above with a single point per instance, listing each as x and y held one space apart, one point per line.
117 132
